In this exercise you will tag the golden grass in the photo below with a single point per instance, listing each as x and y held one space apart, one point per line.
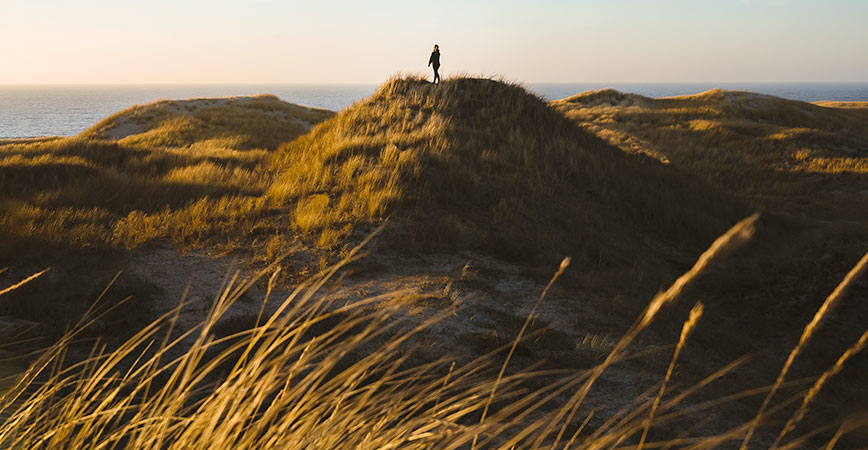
470 164
22 282
236 122
483 164
842 104
78 190
688 327
290 383
818 385
807 333
191 172
768 149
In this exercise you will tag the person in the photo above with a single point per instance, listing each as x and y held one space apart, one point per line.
434 60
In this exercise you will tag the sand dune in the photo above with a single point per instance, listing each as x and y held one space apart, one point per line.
483 189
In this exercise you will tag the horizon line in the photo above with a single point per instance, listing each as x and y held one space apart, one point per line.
365 83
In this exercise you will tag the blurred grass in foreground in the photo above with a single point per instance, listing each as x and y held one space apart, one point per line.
287 383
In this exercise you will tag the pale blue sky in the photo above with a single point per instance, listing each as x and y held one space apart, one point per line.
268 41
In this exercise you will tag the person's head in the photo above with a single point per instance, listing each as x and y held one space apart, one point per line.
436 47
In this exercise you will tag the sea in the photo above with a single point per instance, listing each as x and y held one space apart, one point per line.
28 111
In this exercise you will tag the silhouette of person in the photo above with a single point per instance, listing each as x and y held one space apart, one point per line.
434 60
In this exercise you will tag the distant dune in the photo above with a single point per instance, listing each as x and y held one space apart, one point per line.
235 122
856 105
782 154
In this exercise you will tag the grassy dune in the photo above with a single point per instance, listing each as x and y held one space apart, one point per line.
241 123
472 169
474 164
781 154
806 167
481 164
188 171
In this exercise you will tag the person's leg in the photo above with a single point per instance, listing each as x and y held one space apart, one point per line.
436 75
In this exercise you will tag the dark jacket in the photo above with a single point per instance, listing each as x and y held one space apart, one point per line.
434 60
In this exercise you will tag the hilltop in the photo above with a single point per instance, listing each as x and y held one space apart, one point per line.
482 186
482 164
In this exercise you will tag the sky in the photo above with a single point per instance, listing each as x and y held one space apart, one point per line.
367 41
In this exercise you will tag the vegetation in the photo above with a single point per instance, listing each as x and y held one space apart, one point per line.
781 154
482 164
243 123
189 171
843 104
471 168
805 167
470 164
279 384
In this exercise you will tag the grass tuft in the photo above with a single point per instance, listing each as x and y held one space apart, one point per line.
321 375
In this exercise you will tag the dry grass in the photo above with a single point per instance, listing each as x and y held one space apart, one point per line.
483 164
82 191
236 122
843 104
805 166
470 164
290 382
808 332
782 154
189 171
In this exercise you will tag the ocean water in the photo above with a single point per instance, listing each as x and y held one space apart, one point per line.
33 111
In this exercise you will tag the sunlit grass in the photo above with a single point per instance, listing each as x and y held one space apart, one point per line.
470 164
437 159
190 172
321 375
236 122
760 147
829 104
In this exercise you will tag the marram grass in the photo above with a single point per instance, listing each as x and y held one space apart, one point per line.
281 385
